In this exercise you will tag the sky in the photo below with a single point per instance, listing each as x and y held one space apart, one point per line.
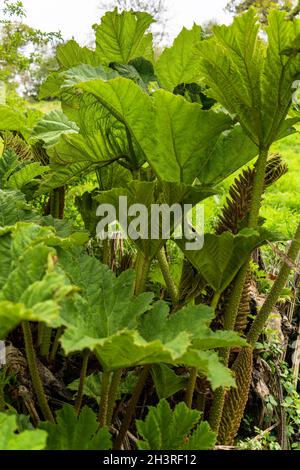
75 17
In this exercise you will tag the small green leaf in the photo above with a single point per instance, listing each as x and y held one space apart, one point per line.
74 432
51 127
26 440
164 429
166 381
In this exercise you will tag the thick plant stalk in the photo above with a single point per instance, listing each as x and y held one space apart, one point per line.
241 322
165 269
78 401
142 266
270 302
106 252
229 322
237 291
103 407
189 394
46 334
194 371
57 205
236 398
113 390
34 373
131 407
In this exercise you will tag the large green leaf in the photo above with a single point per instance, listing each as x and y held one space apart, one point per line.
182 138
26 440
8 164
52 126
139 70
71 54
15 173
222 256
232 150
279 72
148 194
101 140
13 208
126 102
31 288
73 156
166 429
72 432
10 119
51 87
251 77
121 37
180 63
26 175
178 138
109 320
85 73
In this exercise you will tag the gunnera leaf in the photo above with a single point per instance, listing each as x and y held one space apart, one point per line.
178 429
26 440
72 432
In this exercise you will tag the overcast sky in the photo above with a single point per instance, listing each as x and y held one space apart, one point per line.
75 17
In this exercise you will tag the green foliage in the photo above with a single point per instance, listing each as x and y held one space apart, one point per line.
174 430
120 37
179 63
93 384
15 38
164 131
26 440
166 381
249 76
74 432
223 255
31 288
148 194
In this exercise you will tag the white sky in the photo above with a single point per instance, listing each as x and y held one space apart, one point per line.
75 17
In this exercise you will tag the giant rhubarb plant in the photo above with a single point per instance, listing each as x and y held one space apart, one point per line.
140 127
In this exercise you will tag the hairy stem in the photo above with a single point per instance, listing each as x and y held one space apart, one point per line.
104 398
270 302
142 266
231 310
113 390
258 188
46 334
34 373
216 410
165 269
106 252
189 393
79 397
131 407
57 206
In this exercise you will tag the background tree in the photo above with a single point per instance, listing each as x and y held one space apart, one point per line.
263 7
156 8
26 53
